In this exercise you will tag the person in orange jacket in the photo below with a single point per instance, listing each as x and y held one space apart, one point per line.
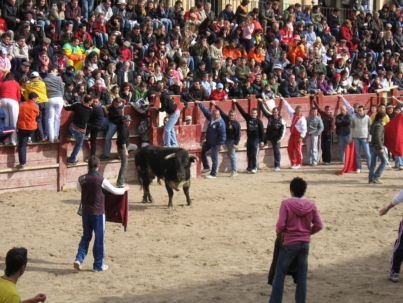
296 49
259 56
232 51
26 125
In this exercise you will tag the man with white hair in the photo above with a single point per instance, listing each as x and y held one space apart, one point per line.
209 12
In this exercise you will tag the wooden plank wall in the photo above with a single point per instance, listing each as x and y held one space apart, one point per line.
47 162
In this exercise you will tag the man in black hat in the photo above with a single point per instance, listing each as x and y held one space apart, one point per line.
24 70
235 92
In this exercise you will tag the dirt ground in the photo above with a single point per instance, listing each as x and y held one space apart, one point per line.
218 250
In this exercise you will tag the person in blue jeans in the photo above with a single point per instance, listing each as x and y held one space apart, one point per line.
82 113
360 133
233 134
92 210
169 106
215 138
298 220
377 149
114 113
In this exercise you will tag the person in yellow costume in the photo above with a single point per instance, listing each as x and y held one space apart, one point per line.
74 53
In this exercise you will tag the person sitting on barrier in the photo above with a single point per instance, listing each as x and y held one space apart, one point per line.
113 119
82 113
95 123
16 264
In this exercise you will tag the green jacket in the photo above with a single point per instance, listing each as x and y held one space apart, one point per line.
242 73
377 134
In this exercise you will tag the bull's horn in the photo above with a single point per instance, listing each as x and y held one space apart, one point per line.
191 156
170 156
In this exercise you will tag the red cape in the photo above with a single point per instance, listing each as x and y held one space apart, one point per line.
350 164
394 135
117 209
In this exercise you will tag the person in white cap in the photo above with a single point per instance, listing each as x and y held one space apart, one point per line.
36 85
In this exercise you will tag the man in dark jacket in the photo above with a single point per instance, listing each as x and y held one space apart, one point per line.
255 141
376 147
113 49
82 113
275 131
334 22
9 12
343 129
125 74
124 148
95 123
289 88
92 208
235 91
215 137
233 135
136 42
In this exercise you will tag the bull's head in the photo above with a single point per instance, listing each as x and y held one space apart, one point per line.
183 160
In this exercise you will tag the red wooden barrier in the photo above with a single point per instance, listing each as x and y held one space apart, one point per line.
47 162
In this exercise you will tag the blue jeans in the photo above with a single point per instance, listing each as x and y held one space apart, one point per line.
214 157
101 40
343 141
335 33
96 224
232 153
43 23
59 25
79 136
207 59
111 129
169 130
276 153
87 7
191 64
287 255
375 154
42 120
312 149
398 161
358 143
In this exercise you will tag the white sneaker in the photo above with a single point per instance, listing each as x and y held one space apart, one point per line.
254 171
210 177
292 166
276 168
234 174
297 166
358 171
77 265
205 170
103 268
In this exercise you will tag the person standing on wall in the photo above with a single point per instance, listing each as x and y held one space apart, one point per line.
92 186
169 106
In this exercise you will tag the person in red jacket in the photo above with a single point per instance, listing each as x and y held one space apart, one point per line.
286 37
10 95
346 32
218 94
82 34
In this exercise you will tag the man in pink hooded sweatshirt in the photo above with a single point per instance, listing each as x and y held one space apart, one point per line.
298 220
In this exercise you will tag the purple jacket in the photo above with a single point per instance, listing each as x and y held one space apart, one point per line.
324 86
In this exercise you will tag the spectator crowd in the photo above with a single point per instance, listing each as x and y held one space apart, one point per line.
95 59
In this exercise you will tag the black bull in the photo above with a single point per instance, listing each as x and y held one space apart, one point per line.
169 164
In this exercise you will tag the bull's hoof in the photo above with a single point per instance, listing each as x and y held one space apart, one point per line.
144 201
190 203
151 201
170 206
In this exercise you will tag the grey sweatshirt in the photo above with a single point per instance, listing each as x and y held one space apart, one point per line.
314 125
54 86
360 127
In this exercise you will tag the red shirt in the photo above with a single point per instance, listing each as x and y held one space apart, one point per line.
216 95
10 90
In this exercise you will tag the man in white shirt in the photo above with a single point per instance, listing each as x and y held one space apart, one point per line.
298 131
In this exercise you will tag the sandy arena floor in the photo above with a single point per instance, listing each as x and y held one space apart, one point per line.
218 250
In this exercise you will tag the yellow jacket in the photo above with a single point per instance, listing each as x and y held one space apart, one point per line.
39 87
386 120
